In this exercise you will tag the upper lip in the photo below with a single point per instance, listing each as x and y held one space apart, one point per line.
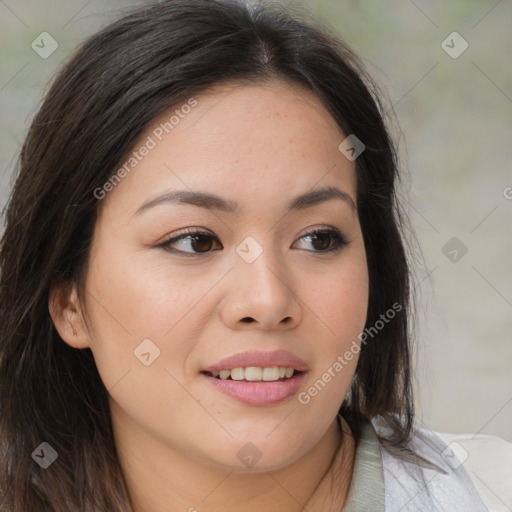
281 358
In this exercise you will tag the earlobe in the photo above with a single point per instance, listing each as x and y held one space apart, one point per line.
65 311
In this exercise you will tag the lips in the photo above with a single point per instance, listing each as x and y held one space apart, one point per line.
259 393
281 358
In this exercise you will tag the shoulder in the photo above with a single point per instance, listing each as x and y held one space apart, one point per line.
438 471
487 460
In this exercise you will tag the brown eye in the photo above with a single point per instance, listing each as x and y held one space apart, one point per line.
326 240
190 243
322 241
201 243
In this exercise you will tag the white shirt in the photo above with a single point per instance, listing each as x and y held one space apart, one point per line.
435 472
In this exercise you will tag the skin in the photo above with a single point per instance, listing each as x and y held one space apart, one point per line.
178 436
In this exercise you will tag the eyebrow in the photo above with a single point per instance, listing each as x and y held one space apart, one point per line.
215 202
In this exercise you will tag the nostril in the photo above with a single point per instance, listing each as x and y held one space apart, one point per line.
247 319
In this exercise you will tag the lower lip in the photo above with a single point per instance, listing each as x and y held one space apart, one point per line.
261 392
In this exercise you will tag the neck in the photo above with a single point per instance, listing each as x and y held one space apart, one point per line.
159 478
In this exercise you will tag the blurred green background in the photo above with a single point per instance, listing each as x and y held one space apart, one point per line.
455 118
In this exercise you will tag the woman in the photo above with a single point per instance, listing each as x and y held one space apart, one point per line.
204 290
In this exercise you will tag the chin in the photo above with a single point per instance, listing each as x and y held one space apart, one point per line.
257 456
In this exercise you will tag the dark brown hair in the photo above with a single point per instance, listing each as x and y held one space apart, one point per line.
115 85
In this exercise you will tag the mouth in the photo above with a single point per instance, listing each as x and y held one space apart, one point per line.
258 377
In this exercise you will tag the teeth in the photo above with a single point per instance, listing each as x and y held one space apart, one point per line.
256 373
252 373
270 374
237 373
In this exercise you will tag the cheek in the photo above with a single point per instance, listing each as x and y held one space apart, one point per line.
138 310
144 300
128 303
340 302
340 298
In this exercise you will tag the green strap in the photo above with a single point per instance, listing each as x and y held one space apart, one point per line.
367 487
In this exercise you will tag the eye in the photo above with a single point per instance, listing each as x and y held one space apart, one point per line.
326 240
202 242
199 241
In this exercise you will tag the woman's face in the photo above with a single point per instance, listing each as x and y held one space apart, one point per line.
165 309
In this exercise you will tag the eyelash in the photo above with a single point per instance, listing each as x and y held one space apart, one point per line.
338 239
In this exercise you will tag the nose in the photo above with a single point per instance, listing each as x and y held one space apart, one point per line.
262 294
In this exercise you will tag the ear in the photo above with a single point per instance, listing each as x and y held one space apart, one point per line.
67 315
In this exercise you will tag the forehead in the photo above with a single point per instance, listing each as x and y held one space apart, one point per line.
272 138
